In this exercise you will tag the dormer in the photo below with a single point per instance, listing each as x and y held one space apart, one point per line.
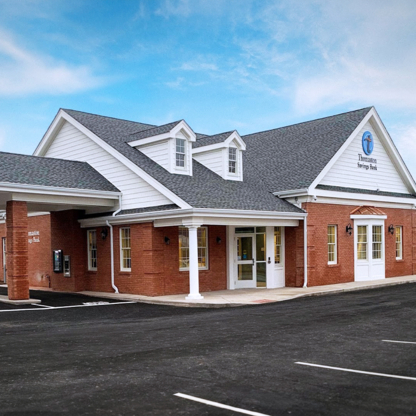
221 153
169 145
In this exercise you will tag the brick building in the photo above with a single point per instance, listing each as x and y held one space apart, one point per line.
112 205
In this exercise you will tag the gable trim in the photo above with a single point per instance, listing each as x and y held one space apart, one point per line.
386 140
57 124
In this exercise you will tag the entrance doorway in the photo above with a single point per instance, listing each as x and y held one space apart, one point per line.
369 250
250 246
3 244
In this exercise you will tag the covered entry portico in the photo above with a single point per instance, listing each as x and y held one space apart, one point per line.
19 200
255 245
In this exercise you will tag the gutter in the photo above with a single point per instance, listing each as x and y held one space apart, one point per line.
113 285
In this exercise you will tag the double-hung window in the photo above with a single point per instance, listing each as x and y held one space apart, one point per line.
180 153
232 160
332 244
399 242
362 242
92 250
377 241
125 249
184 248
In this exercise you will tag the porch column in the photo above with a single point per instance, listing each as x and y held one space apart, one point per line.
193 264
17 250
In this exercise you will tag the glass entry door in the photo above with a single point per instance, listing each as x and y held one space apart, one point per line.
246 270
4 258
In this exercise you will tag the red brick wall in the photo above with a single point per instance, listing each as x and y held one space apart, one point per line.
322 215
294 263
155 265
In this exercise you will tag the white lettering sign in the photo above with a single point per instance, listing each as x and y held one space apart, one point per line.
34 237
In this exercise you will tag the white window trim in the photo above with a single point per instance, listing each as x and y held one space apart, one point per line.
335 244
184 269
184 167
90 268
236 173
401 241
124 269
282 247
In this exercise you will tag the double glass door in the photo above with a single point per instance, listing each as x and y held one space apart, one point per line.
251 259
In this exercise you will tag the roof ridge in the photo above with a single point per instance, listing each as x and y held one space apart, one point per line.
114 118
309 121
156 127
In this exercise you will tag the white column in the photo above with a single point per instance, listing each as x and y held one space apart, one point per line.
193 264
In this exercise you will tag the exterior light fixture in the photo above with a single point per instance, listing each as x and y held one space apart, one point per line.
104 233
348 229
391 229
219 240
167 241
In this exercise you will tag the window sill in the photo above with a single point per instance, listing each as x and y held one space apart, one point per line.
400 260
125 271
333 264
199 269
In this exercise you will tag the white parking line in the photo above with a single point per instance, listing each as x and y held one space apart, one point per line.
48 308
357 371
42 306
399 342
222 406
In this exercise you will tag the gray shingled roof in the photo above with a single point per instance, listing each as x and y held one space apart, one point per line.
204 189
144 134
207 140
292 157
43 171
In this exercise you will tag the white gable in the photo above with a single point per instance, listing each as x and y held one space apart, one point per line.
72 144
355 169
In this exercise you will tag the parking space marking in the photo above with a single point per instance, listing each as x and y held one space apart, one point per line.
42 306
222 406
48 308
399 342
349 370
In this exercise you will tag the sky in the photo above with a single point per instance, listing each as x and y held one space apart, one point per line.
249 65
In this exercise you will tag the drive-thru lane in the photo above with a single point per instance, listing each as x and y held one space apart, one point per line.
140 359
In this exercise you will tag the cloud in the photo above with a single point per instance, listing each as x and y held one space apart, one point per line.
174 8
404 136
24 72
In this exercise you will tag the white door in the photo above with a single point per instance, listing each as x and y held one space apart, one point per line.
246 270
4 259
369 250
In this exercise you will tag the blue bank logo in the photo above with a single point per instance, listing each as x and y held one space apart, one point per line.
368 143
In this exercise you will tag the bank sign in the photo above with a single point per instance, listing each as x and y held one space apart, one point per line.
365 162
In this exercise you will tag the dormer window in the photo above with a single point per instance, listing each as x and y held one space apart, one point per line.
180 153
232 160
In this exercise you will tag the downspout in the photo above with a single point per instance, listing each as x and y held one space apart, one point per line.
112 246
305 250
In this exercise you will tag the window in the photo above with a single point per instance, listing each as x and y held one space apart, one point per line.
332 244
232 160
180 153
277 245
184 248
362 242
399 242
125 250
92 250
377 241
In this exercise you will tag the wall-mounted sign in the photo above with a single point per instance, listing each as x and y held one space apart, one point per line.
33 237
368 143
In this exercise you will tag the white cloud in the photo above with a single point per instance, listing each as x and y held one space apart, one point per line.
174 8
24 72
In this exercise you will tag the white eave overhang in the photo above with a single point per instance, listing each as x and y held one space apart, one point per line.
201 216
292 193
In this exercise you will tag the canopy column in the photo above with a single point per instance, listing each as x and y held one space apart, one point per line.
193 264
17 250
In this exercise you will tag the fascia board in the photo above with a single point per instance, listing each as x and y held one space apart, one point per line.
50 190
338 154
184 125
152 139
195 214
394 153
292 193
209 148
43 145
235 136
368 217
363 197
129 164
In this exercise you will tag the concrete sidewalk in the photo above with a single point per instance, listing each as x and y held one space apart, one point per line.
240 297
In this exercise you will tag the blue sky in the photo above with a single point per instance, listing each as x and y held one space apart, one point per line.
220 64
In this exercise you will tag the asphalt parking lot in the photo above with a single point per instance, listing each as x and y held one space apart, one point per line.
343 354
